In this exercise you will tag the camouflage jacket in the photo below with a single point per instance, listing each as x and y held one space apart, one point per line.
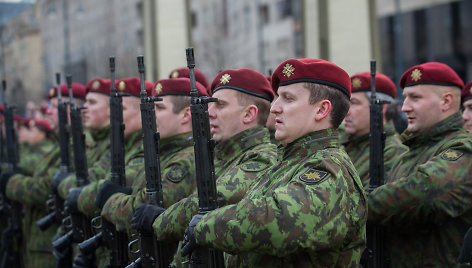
309 210
178 181
238 161
32 155
134 160
358 150
98 159
426 205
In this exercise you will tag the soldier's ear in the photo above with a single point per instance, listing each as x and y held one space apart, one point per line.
322 110
186 116
250 114
447 101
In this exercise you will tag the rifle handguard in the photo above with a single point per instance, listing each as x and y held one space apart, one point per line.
47 221
90 245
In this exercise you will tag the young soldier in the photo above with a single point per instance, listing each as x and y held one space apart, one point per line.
357 124
242 150
466 98
426 203
174 123
33 191
309 209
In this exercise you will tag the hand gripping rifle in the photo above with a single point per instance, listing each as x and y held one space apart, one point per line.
13 234
116 242
204 167
152 252
78 225
375 233
56 203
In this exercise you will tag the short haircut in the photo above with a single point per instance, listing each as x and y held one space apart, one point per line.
263 106
179 102
339 101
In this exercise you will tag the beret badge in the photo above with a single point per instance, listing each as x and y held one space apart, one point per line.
174 74
122 85
288 70
356 83
31 123
225 79
416 75
158 88
96 84
51 92
470 89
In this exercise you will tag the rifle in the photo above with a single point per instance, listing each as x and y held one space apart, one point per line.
116 242
205 171
152 252
13 234
56 203
77 224
375 233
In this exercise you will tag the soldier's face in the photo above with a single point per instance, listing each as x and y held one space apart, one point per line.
422 107
270 124
467 115
97 112
51 114
357 120
167 121
294 115
131 115
226 115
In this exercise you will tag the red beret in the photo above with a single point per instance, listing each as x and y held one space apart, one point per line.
184 72
41 124
176 86
2 109
78 90
361 82
18 118
466 93
132 86
311 70
244 80
431 73
99 85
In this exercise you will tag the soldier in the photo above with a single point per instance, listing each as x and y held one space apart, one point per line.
426 202
309 209
33 191
357 124
466 98
174 123
242 150
184 72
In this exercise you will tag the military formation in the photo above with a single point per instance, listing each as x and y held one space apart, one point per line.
303 168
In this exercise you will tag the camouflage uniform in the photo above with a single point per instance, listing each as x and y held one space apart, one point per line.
238 161
426 205
32 155
358 151
32 192
309 210
178 181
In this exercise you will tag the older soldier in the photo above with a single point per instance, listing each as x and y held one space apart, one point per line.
33 191
309 209
466 98
426 203
357 124
174 123
242 151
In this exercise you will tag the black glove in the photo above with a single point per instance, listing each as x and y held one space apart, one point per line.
84 261
107 189
70 205
4 180
57 178
144 216
466 251
189 243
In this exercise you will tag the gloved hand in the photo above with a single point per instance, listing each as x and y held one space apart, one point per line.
189 243
107 189
84 261
144 217
57 178
466 251
70 205
4 178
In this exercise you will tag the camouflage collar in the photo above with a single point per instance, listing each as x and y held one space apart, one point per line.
175 143
311 143
241 142
133 140
100 134
435 133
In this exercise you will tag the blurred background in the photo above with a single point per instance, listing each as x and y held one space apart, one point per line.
42 37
